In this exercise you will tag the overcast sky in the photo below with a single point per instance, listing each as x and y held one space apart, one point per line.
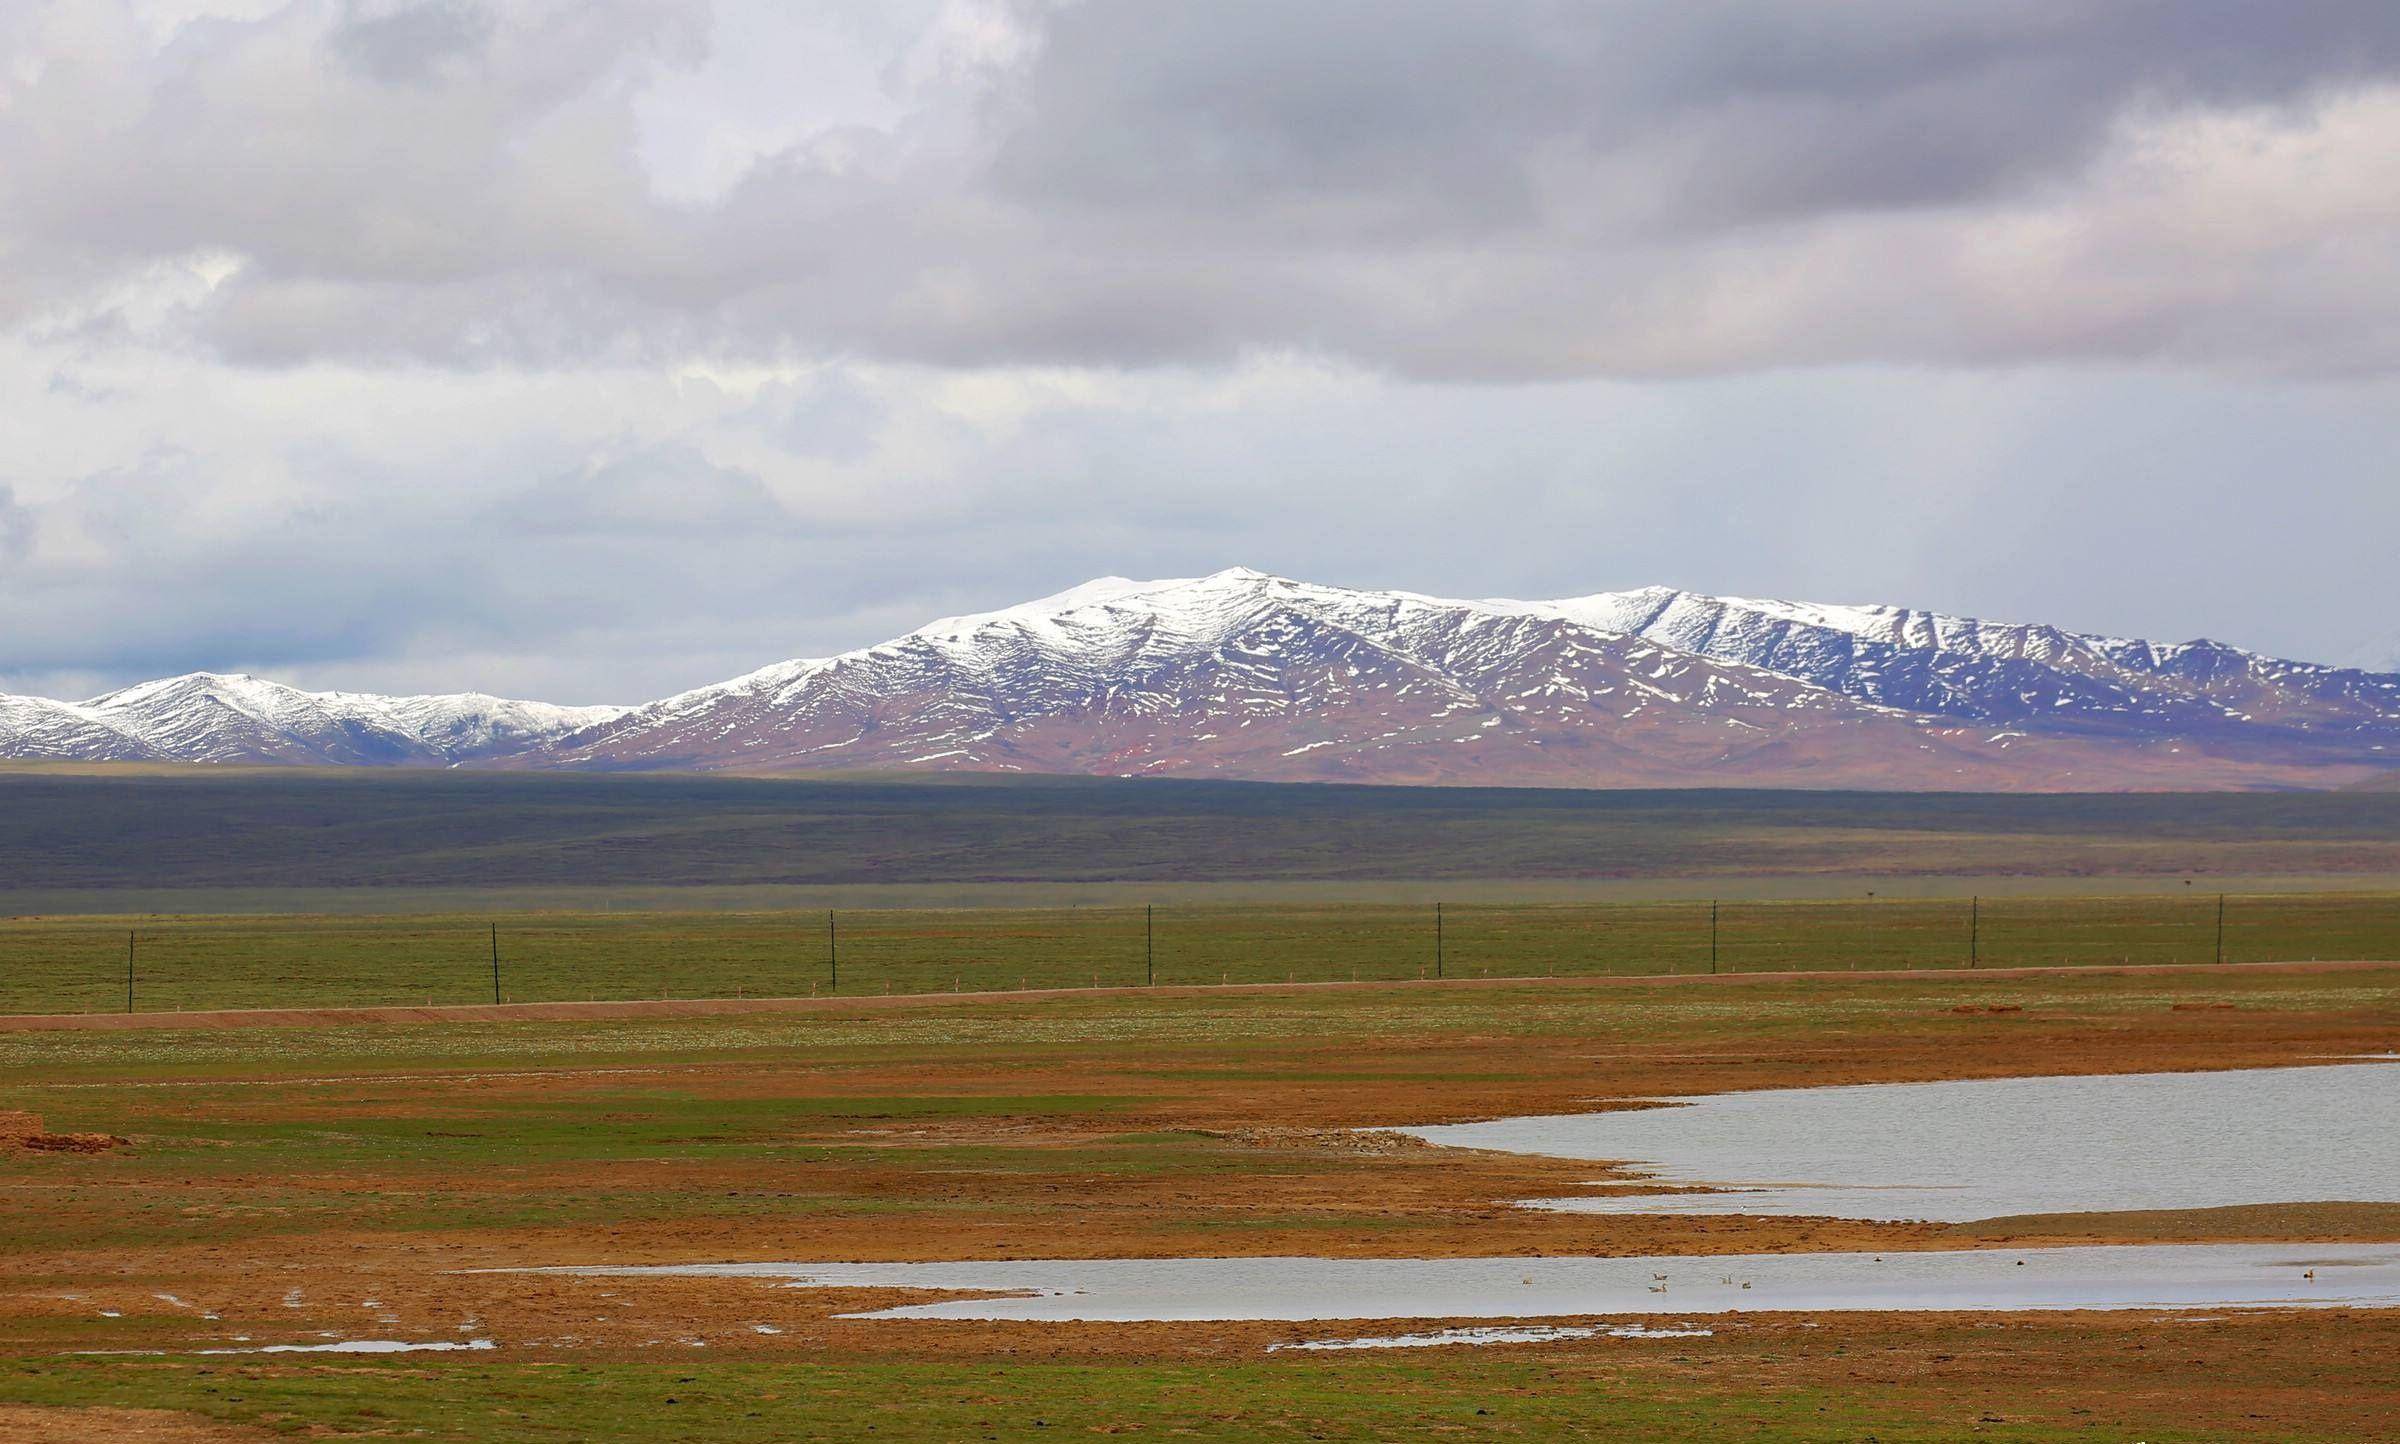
594 350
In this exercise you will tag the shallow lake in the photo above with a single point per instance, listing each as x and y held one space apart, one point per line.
2164 1276
1957 1151
1944 1151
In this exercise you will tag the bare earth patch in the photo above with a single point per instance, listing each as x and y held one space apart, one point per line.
25 1424
24 1130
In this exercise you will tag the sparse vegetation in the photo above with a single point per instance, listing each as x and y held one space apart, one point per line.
283 1184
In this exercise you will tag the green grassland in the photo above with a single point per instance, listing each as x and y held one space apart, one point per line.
81 963
250 888
1437 1394
276 837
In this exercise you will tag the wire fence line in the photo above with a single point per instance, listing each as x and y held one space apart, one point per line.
150 964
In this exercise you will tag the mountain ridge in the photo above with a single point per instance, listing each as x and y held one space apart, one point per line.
1246 674
235 717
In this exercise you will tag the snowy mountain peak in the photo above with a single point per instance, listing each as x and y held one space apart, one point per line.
1668 610
222 684
1111 612
1099 592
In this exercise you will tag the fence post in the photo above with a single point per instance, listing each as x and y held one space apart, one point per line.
495 962
2220 927
1149 951
1437 940
129 970
1974 931
1712 936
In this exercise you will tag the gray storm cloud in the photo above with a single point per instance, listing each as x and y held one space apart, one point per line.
1505 190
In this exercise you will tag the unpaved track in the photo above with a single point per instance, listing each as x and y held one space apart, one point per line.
727 1007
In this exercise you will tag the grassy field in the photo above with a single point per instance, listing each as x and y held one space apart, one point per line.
287 1185
79 964
1883 1395
280 836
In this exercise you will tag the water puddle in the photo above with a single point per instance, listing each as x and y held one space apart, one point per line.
368 1346
1482 1337
2152 1276
1959 1151
342 1346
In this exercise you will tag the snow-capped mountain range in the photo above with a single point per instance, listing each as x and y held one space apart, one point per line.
1244 674
203 717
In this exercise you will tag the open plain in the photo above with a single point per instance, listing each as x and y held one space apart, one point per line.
300 1072
246 1187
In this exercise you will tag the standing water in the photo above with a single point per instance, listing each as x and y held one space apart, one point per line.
2152 1276
1953 1152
